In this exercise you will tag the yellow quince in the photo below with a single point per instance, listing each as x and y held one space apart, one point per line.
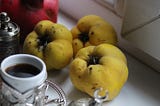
92 30
103 66
52 42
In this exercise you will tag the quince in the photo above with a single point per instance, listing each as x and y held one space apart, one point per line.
103 66
52 42
92 30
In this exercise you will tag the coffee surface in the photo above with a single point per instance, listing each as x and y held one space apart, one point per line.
23 70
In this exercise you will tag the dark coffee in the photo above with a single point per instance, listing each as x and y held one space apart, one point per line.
23 70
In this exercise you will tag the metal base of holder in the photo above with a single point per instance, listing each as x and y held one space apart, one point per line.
38 100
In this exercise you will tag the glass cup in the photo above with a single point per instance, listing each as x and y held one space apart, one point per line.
23 90
28 90
19 83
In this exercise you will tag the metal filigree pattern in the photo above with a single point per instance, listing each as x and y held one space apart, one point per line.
34 97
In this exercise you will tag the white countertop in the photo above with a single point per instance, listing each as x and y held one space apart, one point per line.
141 89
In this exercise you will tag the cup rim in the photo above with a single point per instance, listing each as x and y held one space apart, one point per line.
21 78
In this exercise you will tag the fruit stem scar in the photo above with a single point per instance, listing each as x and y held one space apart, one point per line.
83 37
93 60
43 41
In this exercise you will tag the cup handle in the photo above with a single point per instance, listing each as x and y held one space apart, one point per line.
61 100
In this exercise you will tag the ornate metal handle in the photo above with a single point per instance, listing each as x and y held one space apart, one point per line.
96 101
62 99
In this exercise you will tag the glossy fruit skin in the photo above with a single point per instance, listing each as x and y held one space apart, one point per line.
108 70
27 13
92 30
52 42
